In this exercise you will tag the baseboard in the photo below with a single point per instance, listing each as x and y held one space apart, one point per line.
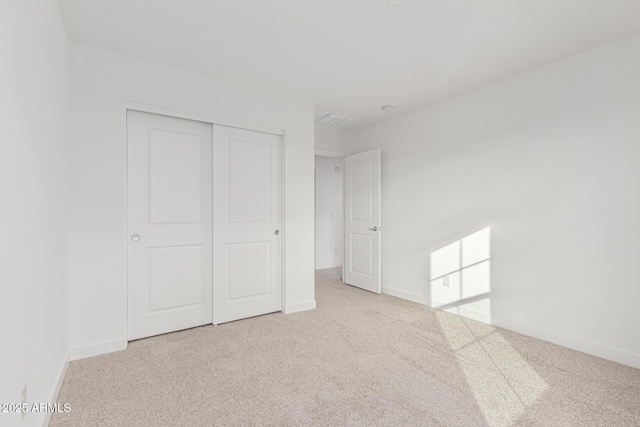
467 312
57 387
599 350
301 306
330 265
98 349
405 295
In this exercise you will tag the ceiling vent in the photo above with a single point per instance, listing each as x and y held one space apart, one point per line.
334 120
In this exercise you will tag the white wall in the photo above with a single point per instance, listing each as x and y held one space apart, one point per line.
328 212
550 160
329 141
101 85
33 212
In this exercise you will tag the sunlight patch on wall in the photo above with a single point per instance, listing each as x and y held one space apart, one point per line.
461 276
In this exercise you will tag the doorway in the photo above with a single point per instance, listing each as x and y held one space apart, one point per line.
350 185
329 216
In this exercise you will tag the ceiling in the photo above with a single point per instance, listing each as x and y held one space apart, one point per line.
351 57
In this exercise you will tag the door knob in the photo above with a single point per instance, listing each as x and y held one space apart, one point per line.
135 237
276 232
374 228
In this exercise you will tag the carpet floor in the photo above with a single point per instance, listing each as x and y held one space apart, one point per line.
359 359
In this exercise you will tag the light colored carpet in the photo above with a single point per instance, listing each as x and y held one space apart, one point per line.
358 359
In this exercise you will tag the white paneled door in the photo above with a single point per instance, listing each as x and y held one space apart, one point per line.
169 223
247 223
362 220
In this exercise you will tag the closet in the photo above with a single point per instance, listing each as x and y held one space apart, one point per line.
204 223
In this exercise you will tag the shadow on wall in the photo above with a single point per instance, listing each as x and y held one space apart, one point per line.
503 383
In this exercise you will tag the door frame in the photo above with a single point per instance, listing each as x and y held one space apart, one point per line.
212 120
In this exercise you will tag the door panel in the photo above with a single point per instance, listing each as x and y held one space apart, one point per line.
168 266
362 225
249 183
248 282
175 177
361 248
247 223
361 186
170 224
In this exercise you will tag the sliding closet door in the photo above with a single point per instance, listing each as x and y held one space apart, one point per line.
247 223
170 223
